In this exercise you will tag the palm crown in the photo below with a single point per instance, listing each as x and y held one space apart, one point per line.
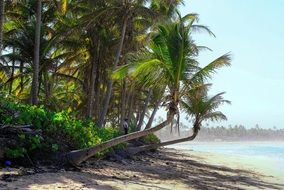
201 107
170 60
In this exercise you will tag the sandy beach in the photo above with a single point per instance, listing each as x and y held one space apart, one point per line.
166 169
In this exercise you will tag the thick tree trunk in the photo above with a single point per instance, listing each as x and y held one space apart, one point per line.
78 156
110 82
2 9
35 80
130 110
151 119
141 119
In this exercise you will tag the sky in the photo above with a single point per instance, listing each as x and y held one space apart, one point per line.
253 31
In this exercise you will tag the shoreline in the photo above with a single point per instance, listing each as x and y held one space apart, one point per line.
164 169
261 165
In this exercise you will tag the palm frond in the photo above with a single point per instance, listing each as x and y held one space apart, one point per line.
205 72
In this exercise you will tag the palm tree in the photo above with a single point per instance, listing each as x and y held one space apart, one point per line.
200 107
35 79
170 62
128 12
20 30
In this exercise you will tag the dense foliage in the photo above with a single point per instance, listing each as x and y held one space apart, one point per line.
78 69
58 131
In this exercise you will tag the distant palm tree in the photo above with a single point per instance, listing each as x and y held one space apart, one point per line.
202 108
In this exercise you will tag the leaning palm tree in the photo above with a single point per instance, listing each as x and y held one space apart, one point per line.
171 62
200 107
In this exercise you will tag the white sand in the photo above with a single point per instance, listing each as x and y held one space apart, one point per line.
170 169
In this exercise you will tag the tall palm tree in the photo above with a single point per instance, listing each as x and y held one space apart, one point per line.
170 62
20 35
130 10
35 79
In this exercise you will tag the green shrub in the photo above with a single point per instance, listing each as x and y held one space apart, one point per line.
151 139
16 152
60 131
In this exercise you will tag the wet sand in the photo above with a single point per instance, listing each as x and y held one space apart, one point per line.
165 170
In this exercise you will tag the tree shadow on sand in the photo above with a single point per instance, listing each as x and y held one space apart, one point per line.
171 165
60 179
147 171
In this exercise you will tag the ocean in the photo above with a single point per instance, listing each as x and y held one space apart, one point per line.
264 156
270 149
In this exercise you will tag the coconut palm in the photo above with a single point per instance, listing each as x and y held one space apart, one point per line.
35 78
171 62
128 12
200 107
20 32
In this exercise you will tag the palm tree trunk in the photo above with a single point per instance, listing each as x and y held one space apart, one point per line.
2 7
35 80
91 90
123 102
78 156
47 87
21 78
135 150
141 119
97 88
130 109
149 124
110 82
12 73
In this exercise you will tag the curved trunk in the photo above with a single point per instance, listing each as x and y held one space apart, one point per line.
78 156
2 7
149 124
141 119
35 80
135 150
110 82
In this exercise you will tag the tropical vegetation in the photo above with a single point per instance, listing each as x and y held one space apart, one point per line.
78 68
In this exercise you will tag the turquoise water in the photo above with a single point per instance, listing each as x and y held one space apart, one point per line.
273 151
